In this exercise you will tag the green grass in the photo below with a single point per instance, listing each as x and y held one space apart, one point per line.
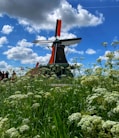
31 107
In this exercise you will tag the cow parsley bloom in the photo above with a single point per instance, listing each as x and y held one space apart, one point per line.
74 117
116 109
37 136
25 121
115 130
90 123
111 98
47 95
3 122
108 124
24 128
12 133
35 106
18 97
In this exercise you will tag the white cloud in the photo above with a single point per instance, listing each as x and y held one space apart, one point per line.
24 43
41 38
3 40
44 59
65 35
116 53
102 58
43 14
7 29
1 15
73 51
25 55
30 29
90 51
4 66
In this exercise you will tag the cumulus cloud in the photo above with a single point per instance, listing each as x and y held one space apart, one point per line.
40 14
90 51
4 66
7 29
44 59
1 15
21 53
3 40
25 55
73 51
24 43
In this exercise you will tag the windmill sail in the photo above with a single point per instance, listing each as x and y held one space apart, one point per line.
52 58
68 42
58 28
58 54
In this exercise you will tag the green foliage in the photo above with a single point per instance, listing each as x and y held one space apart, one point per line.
48 107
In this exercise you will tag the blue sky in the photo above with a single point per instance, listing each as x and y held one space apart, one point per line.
21 22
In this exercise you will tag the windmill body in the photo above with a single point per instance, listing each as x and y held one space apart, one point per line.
58 58
58 55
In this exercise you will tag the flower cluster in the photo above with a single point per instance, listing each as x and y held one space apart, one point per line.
3 123
12 133
90 124
90 81
93 125
75 117
103 101
24 128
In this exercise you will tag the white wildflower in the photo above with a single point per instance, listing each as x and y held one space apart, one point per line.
115 130
35 105
53 127
9 131
40 80
30 94
25 121
89 123
37 136
18 92
74 117
111 97
92 109
37 96
100 90
108 124
24 128
12 133
47 94
18 97
110 54
116 109
3 122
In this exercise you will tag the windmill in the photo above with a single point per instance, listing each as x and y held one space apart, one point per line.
58 58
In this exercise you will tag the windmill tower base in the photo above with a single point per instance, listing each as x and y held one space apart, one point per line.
56 70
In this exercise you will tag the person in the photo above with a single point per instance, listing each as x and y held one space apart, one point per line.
1 75
13 75
7 74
